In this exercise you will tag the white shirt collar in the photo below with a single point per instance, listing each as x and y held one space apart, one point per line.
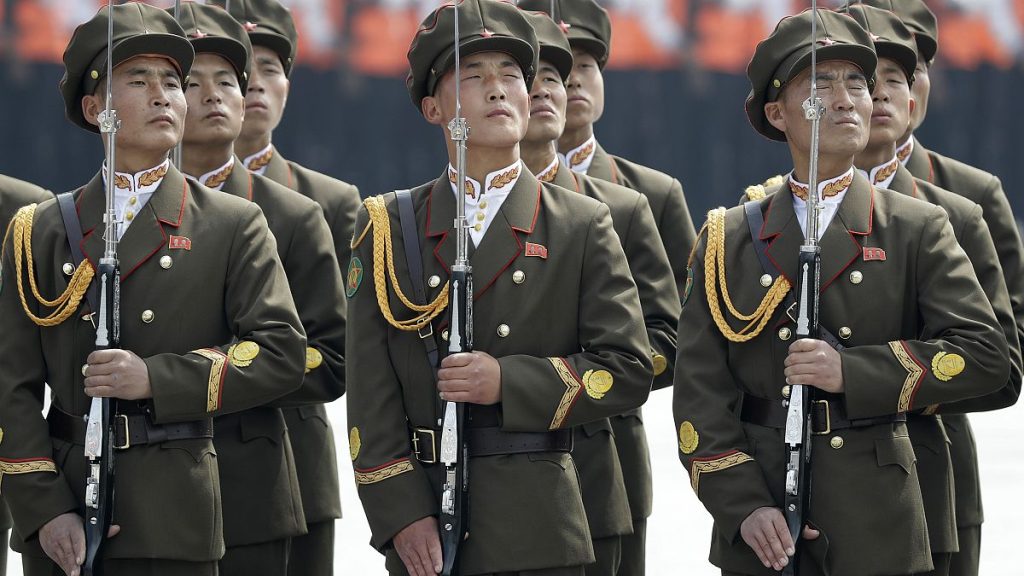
581 157
133 191
499 182
903 152
883 175
215 179
548 174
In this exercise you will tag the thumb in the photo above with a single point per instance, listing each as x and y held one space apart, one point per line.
810 533
114 530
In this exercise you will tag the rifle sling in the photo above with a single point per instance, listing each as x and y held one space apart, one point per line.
73 226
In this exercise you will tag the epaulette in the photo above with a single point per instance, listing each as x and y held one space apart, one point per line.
759 191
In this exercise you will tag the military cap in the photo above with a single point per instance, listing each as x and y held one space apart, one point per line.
139 30
585 22
212 30
892 39
554 45
484 26
918 18
269 24
787 52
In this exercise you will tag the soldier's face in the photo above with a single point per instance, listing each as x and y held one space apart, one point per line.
495 101
843 89
585 89
215 102
267 95
892 104
547 106
921 91
149 101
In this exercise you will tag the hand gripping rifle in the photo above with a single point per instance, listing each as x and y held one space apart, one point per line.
454 524
798 415
99 436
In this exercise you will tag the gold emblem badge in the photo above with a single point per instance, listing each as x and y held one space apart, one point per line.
354 443
660 364
313 359
946 366
243 353
688 438
597 383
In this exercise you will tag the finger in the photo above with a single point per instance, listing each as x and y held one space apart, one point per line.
113 531
78 544
759 548
100 381
423 557
785 538
436 557
461 396
804 345
101 356
810 533
101 392
774 548
454 385
457 373
456 360
411 565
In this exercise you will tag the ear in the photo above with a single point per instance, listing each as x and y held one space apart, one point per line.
430 107
773 112
92 106
913 105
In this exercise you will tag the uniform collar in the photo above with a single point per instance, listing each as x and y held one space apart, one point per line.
903 152
580 158
498 182
216 178
548 174
258 162
833 187
144 182
883 174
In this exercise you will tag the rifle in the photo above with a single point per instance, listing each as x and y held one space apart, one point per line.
99 435
798 414
453 521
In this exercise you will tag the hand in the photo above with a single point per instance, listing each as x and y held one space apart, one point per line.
63 540
117 374
814 363
473 377
419 547
767 534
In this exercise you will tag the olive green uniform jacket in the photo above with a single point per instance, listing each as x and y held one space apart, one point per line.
649 265
312 438
13 195
986 190
675 226
900 315
554 304
203 266
256 449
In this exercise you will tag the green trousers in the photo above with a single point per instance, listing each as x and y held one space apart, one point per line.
263 559
118 567
312 554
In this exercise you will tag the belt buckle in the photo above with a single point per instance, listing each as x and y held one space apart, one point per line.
123 419
828 419
428 334
433 444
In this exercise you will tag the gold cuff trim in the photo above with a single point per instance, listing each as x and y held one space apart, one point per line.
572 390
218 363
730 459
366 477
915 373
13 467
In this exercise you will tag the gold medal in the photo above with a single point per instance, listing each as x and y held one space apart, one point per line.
313 358
597 383
946 366
243 353
354 443
688 438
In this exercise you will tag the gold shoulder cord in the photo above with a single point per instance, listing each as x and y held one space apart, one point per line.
759 191
383 256
714 273
66 303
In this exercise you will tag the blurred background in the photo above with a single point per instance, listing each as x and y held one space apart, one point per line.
675 90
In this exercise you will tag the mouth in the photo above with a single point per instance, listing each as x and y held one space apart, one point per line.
163 119
500 112
215 115
256 106
543 110
881 117
847 121
578 99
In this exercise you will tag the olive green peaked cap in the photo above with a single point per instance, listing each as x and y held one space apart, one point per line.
585 22
269 24
916 16
554 44
892 39
212 30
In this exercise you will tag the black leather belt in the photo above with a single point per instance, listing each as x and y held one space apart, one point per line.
129 429
492 441
827 415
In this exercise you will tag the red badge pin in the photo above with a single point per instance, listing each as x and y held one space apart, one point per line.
538 250
871 253
180 243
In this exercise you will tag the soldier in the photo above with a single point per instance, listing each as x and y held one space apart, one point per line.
604 495
253 469
559 333
207 324
13 195
918 334
588 28
986 190
275 41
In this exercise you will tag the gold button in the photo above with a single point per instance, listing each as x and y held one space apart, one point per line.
68 268
434 281
444 335
845 333
777 83
95 74
856 277
519 276
785 391
785 333
481 216
129 215
478 227
483 204
148 316
166 262
766 280
836 442
503 330
132 201
84 368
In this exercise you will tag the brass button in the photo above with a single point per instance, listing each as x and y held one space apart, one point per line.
68 268
483 204
777 83
148 316
766 280
503 330
845 333
481 216
166 262
785 333
519 276
84 368
785 391
95 74
444 335
132 201
478 227
836 442
434 281
129 215
856 277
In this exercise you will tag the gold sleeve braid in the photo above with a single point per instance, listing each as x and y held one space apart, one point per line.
714 274
383 257
66 303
